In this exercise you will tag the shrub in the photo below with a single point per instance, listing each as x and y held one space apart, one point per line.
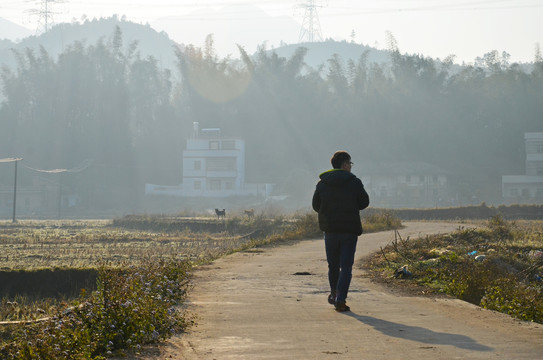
469 279
380 221
501 229
131 307
523 301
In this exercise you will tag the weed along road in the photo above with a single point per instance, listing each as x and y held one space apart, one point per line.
271 304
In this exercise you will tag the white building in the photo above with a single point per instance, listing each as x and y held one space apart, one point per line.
528 187
213 166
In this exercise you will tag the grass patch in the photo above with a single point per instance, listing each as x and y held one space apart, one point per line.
381 221
498 267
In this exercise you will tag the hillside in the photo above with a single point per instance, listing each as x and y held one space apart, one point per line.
161 46
319 52
150 42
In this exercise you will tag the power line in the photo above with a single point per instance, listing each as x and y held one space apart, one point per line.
84 165
46 13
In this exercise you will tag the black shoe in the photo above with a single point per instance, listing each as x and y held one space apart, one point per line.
332 299
342 307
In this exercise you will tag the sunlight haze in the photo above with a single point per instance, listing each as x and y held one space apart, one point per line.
435 28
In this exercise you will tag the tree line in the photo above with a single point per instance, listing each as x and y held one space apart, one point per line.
106 102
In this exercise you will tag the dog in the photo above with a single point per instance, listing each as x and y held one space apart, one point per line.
249 213
220 213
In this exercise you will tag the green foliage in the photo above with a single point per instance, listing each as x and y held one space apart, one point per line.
132 306
498 267
523 301
468 280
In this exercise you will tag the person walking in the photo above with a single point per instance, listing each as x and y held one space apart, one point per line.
338 198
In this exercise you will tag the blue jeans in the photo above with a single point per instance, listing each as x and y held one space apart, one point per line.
340 249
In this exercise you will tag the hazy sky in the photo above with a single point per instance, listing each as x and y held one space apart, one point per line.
437 28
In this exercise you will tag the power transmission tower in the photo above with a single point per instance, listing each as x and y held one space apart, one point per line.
311 28
44 12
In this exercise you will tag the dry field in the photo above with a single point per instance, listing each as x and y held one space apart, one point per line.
28 245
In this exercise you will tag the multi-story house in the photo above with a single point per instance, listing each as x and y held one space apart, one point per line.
213 166
527 188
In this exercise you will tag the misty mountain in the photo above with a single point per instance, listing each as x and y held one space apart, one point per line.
318 53
11 31
161 46
150 42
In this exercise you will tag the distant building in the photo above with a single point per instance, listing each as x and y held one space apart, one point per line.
213 166
406 184
527 188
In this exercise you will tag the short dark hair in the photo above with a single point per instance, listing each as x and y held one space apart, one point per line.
339 158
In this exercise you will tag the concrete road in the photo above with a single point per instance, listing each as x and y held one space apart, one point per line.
271 303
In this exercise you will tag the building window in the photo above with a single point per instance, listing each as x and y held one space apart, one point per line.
214 145
539 192
407 178
228 145
525 193
214 185
539 171
513 192
197 164
435 179
229 185
221 164
197 185
539 148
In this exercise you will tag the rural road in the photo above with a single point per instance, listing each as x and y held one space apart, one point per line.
252 305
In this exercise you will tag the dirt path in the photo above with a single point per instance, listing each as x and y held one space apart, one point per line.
252 305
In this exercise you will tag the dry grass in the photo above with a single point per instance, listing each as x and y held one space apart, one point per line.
81 244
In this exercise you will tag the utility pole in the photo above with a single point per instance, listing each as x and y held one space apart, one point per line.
311 28
15 160
44 12
15 191
59 195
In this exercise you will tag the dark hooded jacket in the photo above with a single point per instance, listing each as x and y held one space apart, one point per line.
338 199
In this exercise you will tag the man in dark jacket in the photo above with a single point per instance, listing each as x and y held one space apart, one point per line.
338 199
